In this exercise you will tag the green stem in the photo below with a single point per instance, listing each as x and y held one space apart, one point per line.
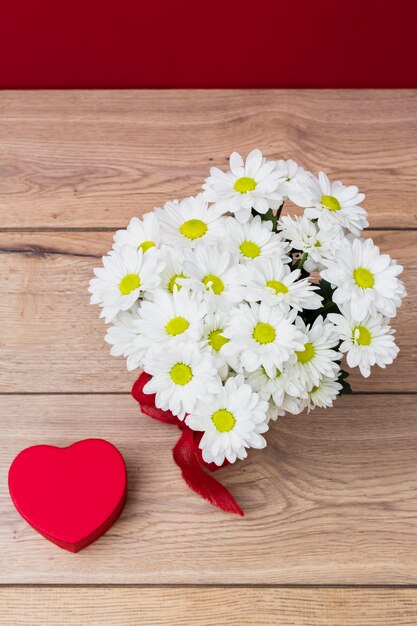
278 215
302 261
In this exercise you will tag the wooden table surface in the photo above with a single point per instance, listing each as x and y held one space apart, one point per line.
330 532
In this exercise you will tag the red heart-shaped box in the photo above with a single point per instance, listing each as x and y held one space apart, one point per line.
70 495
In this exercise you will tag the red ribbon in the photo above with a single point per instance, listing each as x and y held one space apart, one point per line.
187 454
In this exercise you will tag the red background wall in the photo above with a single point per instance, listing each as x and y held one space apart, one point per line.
216 43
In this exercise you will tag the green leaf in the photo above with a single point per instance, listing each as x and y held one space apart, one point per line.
328 306
346 388
325 290
268 216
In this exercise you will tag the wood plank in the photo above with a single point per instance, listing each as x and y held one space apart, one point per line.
331 500
94 158
235 606
52 339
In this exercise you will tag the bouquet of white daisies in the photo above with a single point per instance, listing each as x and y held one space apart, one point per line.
238 313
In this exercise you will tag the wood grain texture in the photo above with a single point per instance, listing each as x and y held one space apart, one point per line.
95 158
204 607
331 500
52 338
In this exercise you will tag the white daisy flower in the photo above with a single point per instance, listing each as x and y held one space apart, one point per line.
216 274
365 280
323 394
180 377
187 222
232 421
291 174
173 274
331 203
247 185
304 235
262 336
214 325
317 358
370 342
253 239
289 405
126 275
171 317
270 281
144 234
125 338
283 389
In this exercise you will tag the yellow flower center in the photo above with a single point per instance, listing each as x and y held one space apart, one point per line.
129 283
223 420
361 335
181 374
176 326
216 339
146 245
277 286
173 282
331 203
250 249
214 283
264 333
193 229
244 184
363 278
304 356
314 389
317 244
